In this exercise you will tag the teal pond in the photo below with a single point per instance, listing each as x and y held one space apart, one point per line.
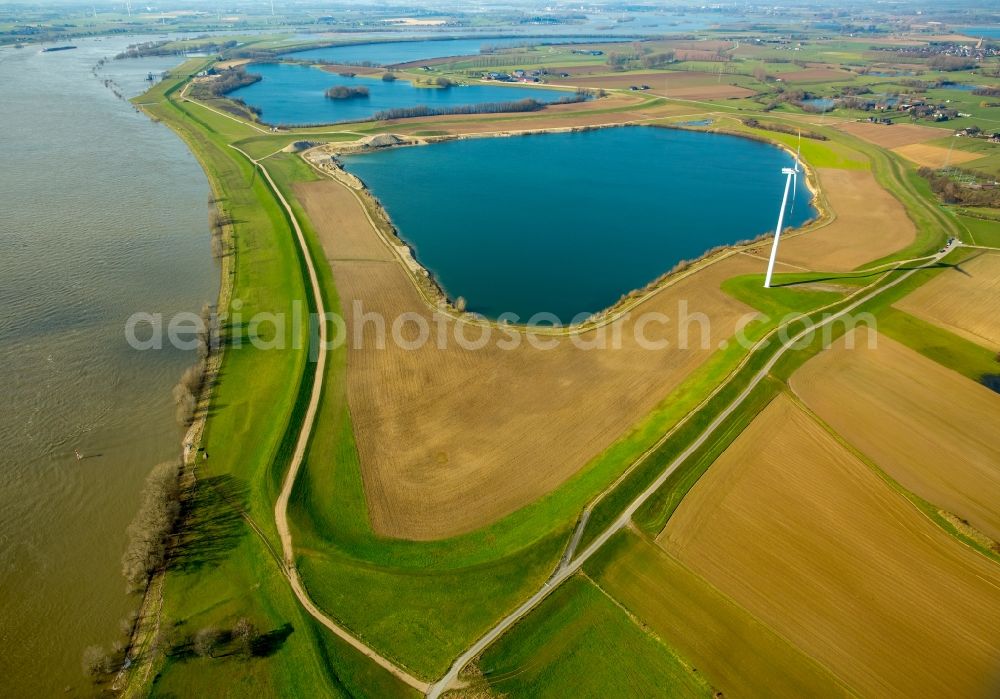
564 224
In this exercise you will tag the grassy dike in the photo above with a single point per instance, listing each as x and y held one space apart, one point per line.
228 570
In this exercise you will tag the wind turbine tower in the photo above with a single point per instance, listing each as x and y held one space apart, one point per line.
791 182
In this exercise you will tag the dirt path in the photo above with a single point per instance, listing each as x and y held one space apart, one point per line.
564 573
301 444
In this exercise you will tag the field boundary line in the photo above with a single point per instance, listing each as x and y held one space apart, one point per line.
894 485
639 624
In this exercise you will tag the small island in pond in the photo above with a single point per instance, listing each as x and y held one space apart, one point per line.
343 92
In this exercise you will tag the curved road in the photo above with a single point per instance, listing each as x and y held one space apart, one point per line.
571 567
301 444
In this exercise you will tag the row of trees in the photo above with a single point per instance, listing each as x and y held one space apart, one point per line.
622 60
422 110
952 192
525 105
210 641
218 220
657 60
187 390
951 63
242 640
783 128
150 530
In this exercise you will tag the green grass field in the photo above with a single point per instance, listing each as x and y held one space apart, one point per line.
982 227
579 643
735 651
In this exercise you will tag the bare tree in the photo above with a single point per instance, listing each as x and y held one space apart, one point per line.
206 641
127 622
154 522
96 662
245 633
186 403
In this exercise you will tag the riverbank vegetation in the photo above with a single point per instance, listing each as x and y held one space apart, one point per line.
192 381
238 574
150 531
422 110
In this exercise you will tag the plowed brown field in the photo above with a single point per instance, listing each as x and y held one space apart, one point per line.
965 300
928 427
739 655
811 541
451 440
869 224
679 84
892 136
935 156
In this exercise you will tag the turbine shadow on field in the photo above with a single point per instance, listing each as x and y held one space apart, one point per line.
868 275
958 265
211 523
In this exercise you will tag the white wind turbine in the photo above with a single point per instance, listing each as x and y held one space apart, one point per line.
792 181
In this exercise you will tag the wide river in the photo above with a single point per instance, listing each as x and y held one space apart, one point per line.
102 213
567 223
